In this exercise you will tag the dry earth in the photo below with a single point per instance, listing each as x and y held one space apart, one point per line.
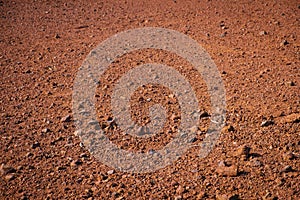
256 47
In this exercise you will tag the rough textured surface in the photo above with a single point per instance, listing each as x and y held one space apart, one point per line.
255 46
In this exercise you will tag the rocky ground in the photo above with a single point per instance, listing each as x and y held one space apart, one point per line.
256 47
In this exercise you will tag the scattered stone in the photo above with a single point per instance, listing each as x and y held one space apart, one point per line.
261 33
66 118
230 171
57 36
110 172
287 168
266 123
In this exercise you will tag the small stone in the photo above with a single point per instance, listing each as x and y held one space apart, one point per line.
77 132
83 155
223 34
178 197
201 195
35 145
204 114
287 168
288 156
192 140
45 130
66 118
292 118
255 163
221 197
230 171
228 128
60 168
29 154
284 42
9 177
266 123
222 163
5 169
179 190
291 83
194 129
57 36
242 151
75 163
110 172
261 33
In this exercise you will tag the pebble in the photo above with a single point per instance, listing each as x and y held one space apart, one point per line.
110 172
178 197
66 118
5 169
261 33
179 190
35 145
77 132
204 114
255 163
194 129
201 195
287 168
230 171
228 128
284 42
192 140
9 177
242 151
223 34
266 123
75 163
221 197
292 118
291 83
57 36
288 156
45 130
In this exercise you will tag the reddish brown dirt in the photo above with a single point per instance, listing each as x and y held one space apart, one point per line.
255 45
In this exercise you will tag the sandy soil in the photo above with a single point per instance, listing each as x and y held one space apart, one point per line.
256 47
